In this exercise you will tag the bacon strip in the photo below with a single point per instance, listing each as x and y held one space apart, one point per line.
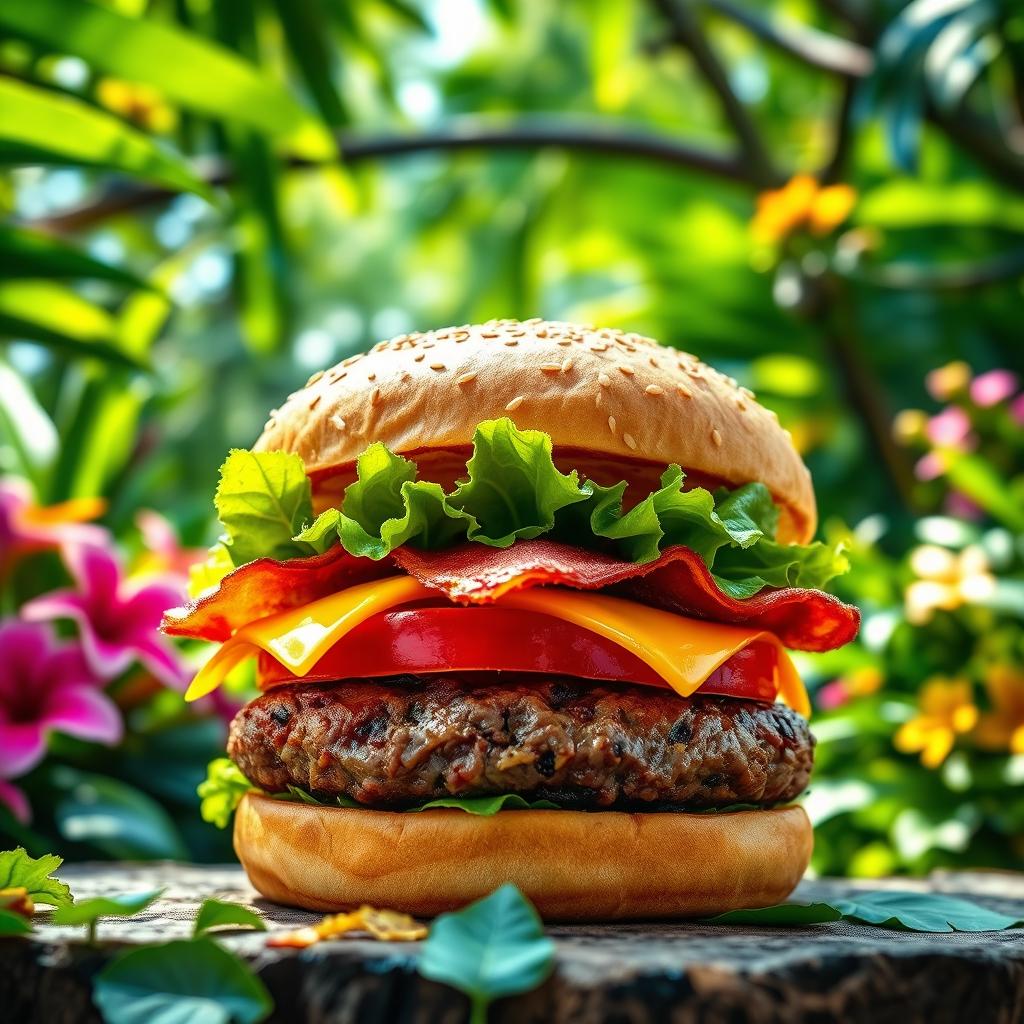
806 620
265 586
678 581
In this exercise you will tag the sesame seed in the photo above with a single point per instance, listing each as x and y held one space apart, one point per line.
428 344
406 375
599 348
563 341
684 391
566 365
371 377
338 422
716 436
611 424
489 334
375 397
740 404
515 403
466 378
461 336
627 370
630 443
654 389
747 393
509 342
335 376
598 398
654 362
438 366
314 403
604 380
312 380
542 334
419 357
549 367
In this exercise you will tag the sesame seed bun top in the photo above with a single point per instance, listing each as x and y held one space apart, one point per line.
617 405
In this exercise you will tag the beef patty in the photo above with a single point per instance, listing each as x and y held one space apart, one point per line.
402 740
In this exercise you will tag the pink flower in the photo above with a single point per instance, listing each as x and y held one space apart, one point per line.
15 801
25 526
117 617
951 428
958 504
993 387
929 467
1017 409
46 686
832 695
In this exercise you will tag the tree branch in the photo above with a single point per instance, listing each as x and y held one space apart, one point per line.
529 133
818 49
948 277
687 33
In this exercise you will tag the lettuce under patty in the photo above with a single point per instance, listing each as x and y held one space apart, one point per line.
224 786
512 491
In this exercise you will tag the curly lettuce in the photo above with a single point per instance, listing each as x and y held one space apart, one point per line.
512 491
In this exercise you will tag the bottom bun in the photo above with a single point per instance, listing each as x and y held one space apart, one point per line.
572 865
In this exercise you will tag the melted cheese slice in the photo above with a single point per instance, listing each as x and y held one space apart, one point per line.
684 652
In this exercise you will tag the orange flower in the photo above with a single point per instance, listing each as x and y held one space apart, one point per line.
802 205
946 711
137 102
1002 728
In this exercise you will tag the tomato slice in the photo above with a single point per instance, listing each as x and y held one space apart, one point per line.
445 639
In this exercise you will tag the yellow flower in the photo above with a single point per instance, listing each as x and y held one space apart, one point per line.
137 102
801 204
1002 728
946 580
909 426
946 710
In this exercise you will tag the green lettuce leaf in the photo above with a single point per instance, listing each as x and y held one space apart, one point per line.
263 500
512 491
221 791
35 875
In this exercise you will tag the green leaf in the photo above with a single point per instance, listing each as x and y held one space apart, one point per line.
308 34
20 871
218 914
190 980
26 427
39 126
221 791
495 947
514 489
90 911
486 806
32 254
262 501
923 912
13 924
57 316
186 68
117 819
791 914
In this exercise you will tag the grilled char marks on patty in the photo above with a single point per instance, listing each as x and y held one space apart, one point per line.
402 740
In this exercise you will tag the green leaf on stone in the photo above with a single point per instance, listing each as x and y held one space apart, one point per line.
20 871
790 914
923 912
219 914
193 980
89 911
493 948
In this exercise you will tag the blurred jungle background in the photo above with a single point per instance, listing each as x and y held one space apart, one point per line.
207 200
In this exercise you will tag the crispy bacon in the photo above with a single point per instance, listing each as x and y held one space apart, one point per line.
265 586
679 581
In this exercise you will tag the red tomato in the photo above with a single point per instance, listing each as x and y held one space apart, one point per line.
423 640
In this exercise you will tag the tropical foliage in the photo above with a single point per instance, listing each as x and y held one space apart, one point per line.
209 200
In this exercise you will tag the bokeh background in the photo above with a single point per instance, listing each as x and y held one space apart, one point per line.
208 200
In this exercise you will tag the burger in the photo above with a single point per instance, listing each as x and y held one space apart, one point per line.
518 598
